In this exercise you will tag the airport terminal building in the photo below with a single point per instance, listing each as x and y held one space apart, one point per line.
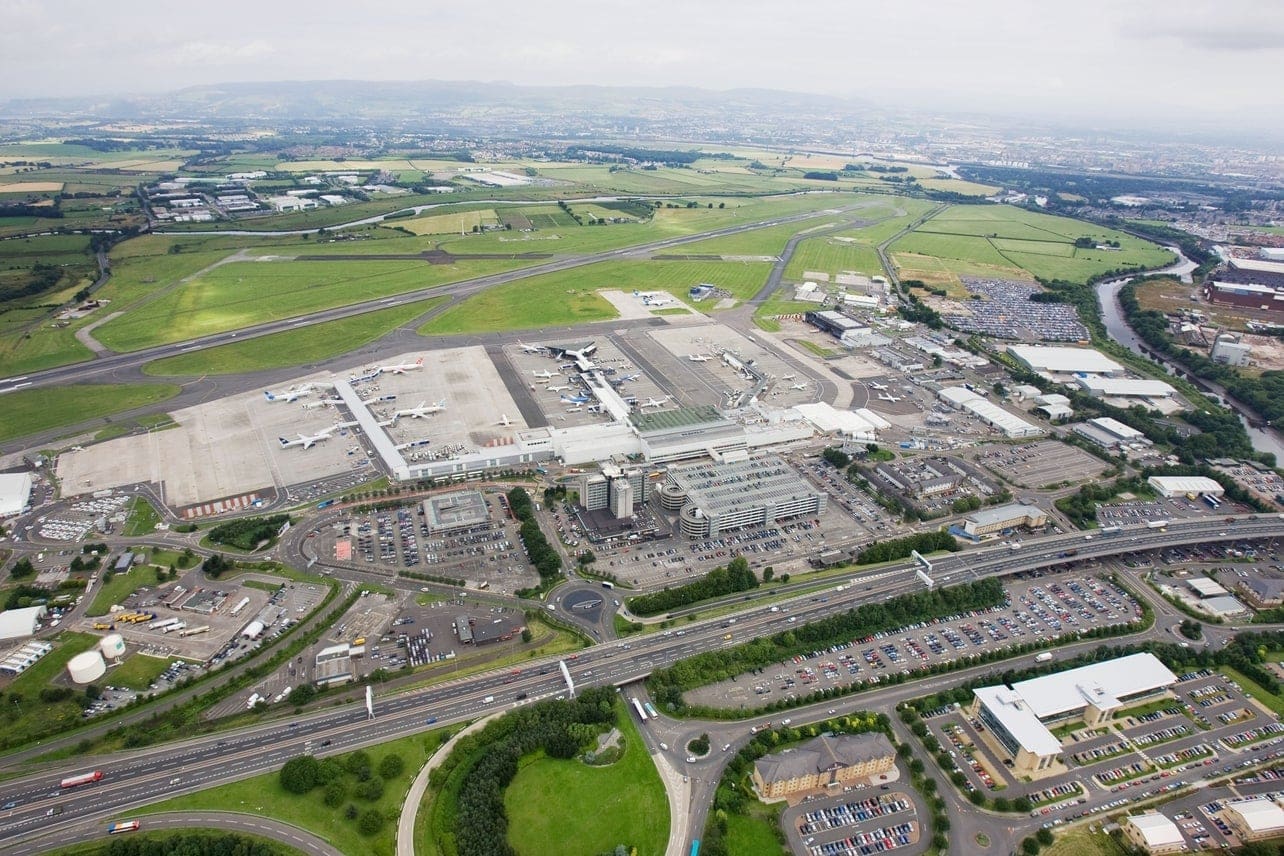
1018 716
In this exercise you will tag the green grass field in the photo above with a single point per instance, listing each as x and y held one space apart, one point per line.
753 835
240 294
119 587
832 255
142 518
264 796
137 672
31 410
570 297
295 347
1081 842
558 807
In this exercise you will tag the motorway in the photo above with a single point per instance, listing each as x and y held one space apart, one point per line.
135 778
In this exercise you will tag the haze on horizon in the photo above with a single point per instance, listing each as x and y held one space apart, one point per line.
1147 61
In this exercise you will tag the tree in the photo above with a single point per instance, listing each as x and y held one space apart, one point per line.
22 568
527 635
335 793
1044 836
767 573
371 821
392 766
1029 846
299 775
586 558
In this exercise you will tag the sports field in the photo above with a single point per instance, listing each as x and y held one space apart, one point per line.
557 807
300 347
240 294
31 410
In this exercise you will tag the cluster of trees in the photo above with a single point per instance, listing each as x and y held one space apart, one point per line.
91 564
483 764
1081 507
736 576
215 565
900 548
24 595
1191 629
821 175
734 794
22 569
198 843
541 553
21 209
248 532
919 312
354 775
41 277
664 156
836 457
668 685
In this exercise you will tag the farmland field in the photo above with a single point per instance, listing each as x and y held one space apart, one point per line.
29 411
31 187
240 294
831 255
945 273
954 185
292 348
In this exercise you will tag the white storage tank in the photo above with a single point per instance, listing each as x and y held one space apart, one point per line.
112 646
87 667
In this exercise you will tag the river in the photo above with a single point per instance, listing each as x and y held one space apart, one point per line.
1263 439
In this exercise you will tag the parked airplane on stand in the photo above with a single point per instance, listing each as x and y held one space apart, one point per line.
312 405
504 420
545 374
789 377
882 396
531 349
652 402
628 378
575 399
798 386
289 394
403 367
424 409
873 384
698 358
307 441
556 388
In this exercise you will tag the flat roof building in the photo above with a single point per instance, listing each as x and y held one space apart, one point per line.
828 760
734 494
1018 715
1204 587
991 520
20 623
1056 360
833 323
988 412
1255 819
1153 833
15 493
1109 433
24 658
458 509
1170 486
1124 387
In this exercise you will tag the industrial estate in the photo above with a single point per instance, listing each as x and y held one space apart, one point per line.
439 494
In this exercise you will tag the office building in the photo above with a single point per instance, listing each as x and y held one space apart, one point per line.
1255 819
990 520
1153 833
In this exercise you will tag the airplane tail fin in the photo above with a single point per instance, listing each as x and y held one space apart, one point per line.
284 442
419 362
269 396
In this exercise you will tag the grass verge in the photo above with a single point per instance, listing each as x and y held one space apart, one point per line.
119 587
31 410
142 518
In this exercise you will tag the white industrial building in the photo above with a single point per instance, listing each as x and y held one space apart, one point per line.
24 658
859 424
15 493
1205 587
1253 819
988 412
1109 433
1018 715
1171 486
1229 350
21 623
1153 833
1124 387
1051 360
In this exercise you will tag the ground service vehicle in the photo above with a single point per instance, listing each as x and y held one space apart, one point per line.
1044 657
82 779
123 826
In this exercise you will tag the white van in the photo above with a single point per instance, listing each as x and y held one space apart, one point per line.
490 699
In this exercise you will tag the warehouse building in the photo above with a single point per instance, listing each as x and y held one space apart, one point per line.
1124 387
1153 833
833 323
1058 363
1018 716
988 412
24 658
1255 819
1248 295
827 761
15 493
20 623
1110 433
1229 350
1004 517
1171 486
716 497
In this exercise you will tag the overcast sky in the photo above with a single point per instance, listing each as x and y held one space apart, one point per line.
1107 58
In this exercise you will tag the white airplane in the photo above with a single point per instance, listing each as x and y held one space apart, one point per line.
289 394
424 409
575 399
628 378
788 377
799 386
531 349
403 367
307 441
556 388
698 358
873 384
313 405
545 374
882 396
651 402
582 353
504 420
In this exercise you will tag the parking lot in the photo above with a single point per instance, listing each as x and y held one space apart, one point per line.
1050 607
862 819
1041 464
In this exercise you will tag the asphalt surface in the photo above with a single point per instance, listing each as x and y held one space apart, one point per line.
133 779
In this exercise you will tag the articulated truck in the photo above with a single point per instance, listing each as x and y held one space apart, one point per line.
82 779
